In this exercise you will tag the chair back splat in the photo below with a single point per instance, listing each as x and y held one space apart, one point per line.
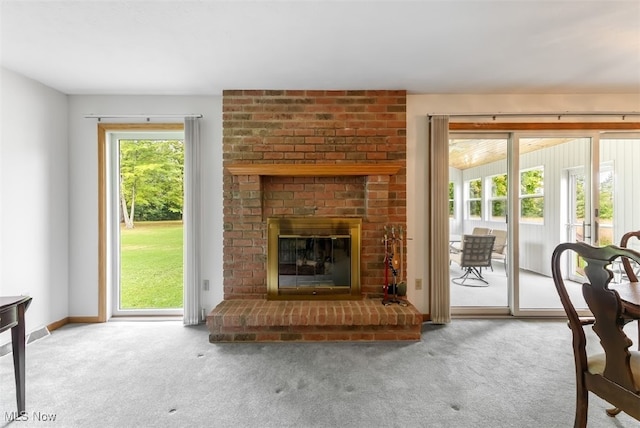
631 271
613 375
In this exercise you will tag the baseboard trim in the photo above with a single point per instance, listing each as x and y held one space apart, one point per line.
84 320
72 320
57 324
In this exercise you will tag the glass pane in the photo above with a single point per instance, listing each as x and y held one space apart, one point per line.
498 201
499 186
151 230
499 210
532 210
475 210
553 203
606 206
474 163
619 193
311 262
452 205
475 189
532 182
578 214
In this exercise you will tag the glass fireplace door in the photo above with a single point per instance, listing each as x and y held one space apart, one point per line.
314 263
313 258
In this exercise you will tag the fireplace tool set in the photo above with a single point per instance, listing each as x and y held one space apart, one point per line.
393 262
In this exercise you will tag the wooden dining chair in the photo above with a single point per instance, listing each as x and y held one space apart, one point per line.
630 270
613 375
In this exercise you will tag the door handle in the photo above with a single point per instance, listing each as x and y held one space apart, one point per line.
584 230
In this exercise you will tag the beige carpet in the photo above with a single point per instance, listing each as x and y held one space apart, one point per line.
471 373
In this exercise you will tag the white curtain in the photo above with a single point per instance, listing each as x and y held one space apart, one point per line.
438 209
192 219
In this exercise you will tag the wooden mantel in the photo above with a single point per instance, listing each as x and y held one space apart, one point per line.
315 170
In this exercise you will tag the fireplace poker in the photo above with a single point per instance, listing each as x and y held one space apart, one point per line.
385 240
391 263
401 302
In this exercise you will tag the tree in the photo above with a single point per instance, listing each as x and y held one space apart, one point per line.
151 179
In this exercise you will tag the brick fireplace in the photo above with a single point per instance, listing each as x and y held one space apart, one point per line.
308 154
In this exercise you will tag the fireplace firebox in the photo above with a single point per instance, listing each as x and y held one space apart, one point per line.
313 258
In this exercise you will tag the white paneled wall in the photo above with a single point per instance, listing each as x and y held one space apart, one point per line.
625 156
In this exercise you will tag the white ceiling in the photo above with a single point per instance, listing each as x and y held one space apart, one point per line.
202 47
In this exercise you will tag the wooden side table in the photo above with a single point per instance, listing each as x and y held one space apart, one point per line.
12 309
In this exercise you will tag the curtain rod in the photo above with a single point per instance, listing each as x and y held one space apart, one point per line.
139 116
622 114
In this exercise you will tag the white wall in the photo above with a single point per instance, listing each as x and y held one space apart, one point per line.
83 187
34 243
623 155
48 187
419 106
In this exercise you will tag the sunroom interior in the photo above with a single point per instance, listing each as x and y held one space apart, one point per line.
542 186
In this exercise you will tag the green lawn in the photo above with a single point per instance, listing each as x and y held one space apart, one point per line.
151 265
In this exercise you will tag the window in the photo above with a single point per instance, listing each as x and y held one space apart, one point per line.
452 204
498 197
474 200
532 195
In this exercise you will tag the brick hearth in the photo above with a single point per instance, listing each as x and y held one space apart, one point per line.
312 321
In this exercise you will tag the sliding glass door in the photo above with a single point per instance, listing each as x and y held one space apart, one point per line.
478 191
541 189
589 196
619 210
